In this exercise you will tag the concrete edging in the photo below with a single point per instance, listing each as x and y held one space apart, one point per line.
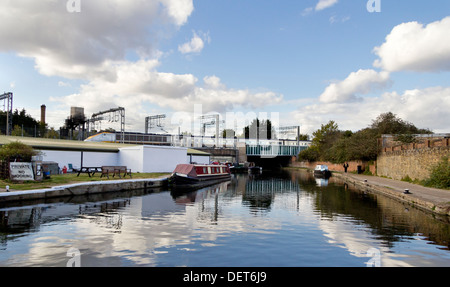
442 208
84 188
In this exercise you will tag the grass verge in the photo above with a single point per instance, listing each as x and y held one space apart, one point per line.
69 178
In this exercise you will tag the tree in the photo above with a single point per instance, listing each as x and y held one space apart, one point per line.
259 130
331 144
303 137
17 151
325 133
228 133
51 134
23 119
389 123
18 131
323 140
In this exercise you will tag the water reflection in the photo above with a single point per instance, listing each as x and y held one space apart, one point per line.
278 219
321 181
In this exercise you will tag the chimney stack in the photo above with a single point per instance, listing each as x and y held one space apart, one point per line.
43 114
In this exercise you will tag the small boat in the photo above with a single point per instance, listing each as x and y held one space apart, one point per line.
253 169
199 175
322 171
238 168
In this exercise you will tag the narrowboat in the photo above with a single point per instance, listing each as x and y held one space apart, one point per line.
322 171
199 175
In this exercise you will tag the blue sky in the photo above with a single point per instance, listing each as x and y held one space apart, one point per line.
310 61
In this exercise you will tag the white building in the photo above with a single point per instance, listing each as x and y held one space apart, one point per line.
138 158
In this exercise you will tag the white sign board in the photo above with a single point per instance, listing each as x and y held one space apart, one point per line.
21 171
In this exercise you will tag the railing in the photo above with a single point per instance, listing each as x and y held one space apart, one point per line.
273 150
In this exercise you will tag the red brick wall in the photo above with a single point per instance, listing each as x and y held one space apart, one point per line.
352 166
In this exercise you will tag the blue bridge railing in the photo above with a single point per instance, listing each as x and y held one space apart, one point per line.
273 150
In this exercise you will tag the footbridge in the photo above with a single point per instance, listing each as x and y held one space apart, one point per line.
273 150
265 153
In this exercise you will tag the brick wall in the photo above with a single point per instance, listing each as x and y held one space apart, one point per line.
413 160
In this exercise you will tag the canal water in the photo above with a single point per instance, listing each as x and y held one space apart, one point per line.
287 218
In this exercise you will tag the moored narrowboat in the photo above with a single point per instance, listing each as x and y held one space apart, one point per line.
322 171
199 175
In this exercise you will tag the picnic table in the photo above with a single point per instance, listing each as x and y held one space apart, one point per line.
89 170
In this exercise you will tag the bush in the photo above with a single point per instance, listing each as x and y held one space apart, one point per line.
440 175
17 151
309 154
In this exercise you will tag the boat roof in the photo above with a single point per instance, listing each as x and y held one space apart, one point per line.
321 166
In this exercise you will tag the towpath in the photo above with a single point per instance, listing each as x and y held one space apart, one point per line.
432 199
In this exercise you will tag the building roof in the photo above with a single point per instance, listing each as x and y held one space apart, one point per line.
197 152
71 145
68 145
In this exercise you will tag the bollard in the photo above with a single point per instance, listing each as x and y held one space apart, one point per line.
7 188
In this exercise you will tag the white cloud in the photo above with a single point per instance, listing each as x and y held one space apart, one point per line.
335 19
409 47
213 82
135 84
92 46
415 47
324 4
425 108
77 45
195 45
178 10
63 84
357 83
307 11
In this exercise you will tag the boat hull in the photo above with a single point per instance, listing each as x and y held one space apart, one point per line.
255 170
178 181
322 173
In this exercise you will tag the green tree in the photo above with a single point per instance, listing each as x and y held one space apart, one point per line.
18 131
303 137
22 119
51 134
331 144
259 130
323 140
17 151
228 133
389 123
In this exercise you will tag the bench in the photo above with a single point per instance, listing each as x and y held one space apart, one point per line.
123 170
107 170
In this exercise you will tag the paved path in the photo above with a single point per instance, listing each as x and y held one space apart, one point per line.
436 200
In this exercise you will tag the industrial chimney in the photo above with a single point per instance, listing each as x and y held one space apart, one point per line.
43 114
